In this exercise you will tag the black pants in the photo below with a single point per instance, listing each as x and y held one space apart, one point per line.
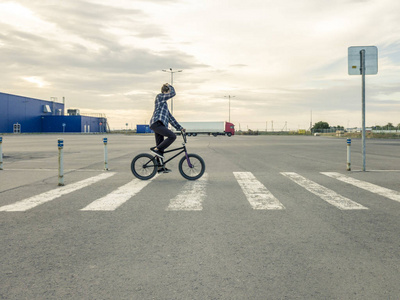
160 132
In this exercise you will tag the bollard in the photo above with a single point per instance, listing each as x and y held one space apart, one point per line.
1 153
348 154
60 162
105 154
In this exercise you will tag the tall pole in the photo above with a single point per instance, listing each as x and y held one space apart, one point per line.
1 153
172 83
362 57
229 96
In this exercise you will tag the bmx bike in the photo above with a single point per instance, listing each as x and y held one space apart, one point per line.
191 166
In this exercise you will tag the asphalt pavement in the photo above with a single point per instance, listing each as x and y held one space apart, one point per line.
274 217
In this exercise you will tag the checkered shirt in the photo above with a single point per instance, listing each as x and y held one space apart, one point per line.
161 111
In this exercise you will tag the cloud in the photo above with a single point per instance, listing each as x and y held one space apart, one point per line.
80 51
279 60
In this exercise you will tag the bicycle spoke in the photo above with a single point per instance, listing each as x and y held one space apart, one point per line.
194 171
143 166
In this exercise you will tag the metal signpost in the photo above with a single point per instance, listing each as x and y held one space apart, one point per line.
105 141
60 162
363 61
348 154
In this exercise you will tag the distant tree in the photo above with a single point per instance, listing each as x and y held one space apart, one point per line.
389 126
320 126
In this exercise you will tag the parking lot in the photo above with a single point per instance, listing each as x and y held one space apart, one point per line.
274 217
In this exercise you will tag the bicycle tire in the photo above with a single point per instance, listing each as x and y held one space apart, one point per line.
144 166
197 170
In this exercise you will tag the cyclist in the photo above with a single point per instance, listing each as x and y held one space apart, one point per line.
159 122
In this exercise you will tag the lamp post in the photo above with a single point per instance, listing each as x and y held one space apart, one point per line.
229 96
172 83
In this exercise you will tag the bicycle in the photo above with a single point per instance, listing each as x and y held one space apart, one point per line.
191 166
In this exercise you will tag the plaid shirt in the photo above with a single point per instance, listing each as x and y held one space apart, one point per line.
161 112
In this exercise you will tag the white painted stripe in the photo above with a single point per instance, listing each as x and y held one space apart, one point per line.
55 170
256 193
376 189
34 201
324 193
34 170
383 171
118 197
191 196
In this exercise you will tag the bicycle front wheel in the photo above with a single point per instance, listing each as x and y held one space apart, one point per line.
144 166
195 169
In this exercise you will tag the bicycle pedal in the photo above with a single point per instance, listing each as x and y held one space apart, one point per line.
164 170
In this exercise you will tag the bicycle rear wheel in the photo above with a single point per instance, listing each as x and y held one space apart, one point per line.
144 166
196 168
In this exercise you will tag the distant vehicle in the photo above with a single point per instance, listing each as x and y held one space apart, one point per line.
210 128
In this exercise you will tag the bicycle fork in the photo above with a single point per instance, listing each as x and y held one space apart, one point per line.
188 160
187 156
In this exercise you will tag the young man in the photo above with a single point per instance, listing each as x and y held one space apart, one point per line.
159 122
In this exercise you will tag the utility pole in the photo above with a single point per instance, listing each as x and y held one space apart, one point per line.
229 96
172 83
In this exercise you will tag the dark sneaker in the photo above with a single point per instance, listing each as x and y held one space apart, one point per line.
157 152
163 170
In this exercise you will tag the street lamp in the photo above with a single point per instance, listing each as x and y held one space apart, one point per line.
172 83
229 96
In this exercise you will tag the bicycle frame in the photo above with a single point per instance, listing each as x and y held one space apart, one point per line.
183 149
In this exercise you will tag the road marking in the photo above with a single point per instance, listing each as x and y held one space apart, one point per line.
118 197
191 196
256 193
376 189
34 201
55 170
324 193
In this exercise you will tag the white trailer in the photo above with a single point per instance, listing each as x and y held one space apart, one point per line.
210 128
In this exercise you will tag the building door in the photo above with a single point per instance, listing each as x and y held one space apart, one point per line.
17 128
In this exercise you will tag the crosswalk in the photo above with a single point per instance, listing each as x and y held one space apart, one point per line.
34 201
373 188
118 197
193 194
256 193
324 193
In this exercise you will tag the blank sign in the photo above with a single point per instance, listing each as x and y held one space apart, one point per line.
371 60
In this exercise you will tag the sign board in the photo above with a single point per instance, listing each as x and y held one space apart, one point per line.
371 60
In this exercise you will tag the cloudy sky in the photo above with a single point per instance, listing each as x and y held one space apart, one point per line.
283 61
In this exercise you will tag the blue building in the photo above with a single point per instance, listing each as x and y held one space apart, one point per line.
28 115
143 129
